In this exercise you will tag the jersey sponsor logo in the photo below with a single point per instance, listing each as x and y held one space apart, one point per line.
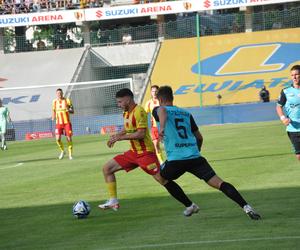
256 58
21 99
184 145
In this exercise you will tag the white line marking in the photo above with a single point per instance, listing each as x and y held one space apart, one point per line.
15 166
205 242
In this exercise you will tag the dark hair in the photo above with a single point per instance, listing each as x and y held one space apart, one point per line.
296 67
124 92
154 86
165 93
59 89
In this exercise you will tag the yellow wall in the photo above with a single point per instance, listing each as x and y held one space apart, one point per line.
251 61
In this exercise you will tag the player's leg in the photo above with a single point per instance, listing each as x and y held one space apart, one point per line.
295 140
155 139
2 135
2 140
58 133
204 171
69 133
166 176
119 162
230 191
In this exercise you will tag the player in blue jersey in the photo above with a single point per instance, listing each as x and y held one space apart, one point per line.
183 140
288 109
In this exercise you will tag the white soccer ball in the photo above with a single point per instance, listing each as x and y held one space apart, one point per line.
81 209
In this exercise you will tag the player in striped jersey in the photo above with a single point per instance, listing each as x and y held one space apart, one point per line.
61 109
141 153
149 106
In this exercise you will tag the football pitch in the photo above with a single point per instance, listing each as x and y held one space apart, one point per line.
37 192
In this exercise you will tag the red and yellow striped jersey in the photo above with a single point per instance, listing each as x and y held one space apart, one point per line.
134 120
61 109
149 106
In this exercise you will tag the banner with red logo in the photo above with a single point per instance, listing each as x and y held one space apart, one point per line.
39 18
127 11
38 135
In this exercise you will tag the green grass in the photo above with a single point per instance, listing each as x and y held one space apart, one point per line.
37 192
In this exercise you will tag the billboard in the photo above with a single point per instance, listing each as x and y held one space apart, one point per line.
127 11
234 67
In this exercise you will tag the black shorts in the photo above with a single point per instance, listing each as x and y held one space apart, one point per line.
295 139
171 170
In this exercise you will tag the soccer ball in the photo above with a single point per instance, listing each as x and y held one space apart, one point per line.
81 209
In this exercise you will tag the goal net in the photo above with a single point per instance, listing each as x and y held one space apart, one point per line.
94 104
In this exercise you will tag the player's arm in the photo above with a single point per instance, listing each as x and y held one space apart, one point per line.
8 116
196 132
279 109
53 114
138 135
162 117
70 106
53 111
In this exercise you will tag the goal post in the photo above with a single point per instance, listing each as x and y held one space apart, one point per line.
94 104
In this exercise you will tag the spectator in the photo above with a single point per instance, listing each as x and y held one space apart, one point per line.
41 45
127 38
264 94
36 6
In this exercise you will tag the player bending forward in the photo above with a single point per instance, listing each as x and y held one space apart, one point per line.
183 140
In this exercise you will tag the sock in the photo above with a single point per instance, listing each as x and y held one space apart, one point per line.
159 156
112 189
70 147
2 140
176 191
230 191
60 145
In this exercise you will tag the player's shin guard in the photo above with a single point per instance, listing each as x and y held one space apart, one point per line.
176 191
60 145
231 192
112 189
70 147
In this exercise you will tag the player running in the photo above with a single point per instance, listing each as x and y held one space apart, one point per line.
182 141
4 120
61 109
141 154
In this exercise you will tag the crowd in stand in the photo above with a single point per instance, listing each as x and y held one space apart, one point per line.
27 6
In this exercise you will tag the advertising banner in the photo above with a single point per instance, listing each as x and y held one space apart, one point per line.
233 68
127 11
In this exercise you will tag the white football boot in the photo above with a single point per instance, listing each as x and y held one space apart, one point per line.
193 209
110 204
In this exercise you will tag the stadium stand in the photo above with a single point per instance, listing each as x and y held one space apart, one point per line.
71 54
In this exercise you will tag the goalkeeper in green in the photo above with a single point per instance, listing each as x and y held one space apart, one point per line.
4 119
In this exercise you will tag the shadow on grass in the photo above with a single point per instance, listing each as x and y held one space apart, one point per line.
158 223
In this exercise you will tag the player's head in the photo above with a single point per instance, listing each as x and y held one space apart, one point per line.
165 95
295 74
154 89
59 93
125 99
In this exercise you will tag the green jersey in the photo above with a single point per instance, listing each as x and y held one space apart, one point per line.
4 114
